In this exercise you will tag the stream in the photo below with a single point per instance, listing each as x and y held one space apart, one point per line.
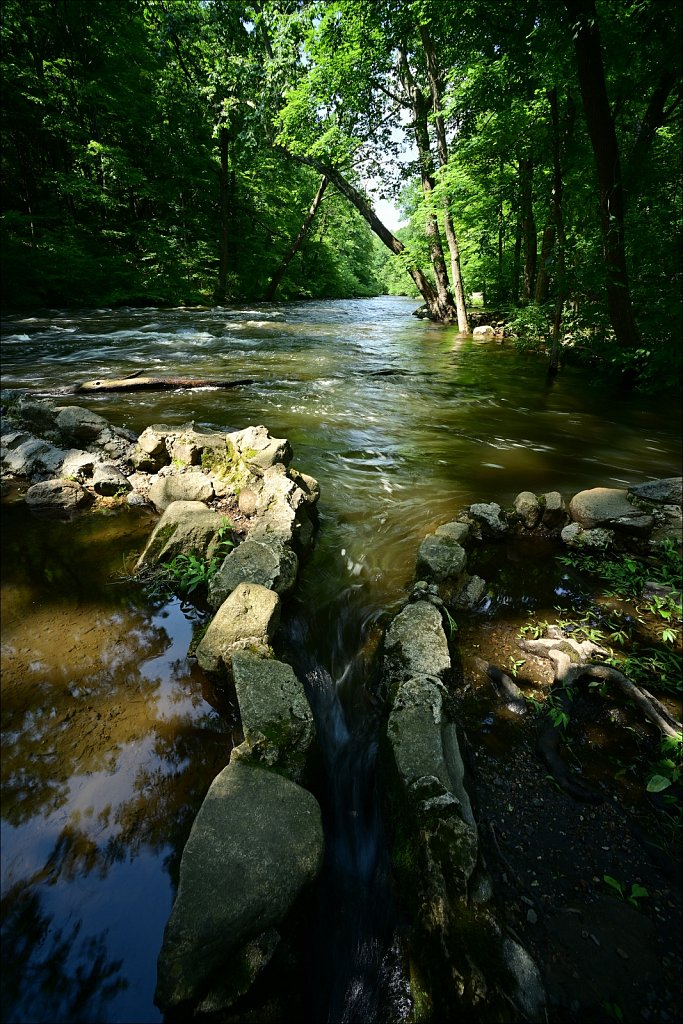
111 735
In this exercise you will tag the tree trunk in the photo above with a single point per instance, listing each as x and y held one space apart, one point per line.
220 294
526 170
603 138
434 77
447 311
558 223
297 243
542 276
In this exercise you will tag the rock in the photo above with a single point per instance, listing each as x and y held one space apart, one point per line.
38 414
489 516
440 558
152 441
459 532
256 447
281 510
601 505
485 331
273 566
470 595
574 536
183 487
308 485
668 491
669 526
528 509
246 620
256 843
57 497
276 717
27 457
108 480
78 465
415 644
554 512
76 424
529 992
185 526
247 501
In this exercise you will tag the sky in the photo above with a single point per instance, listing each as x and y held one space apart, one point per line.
388 214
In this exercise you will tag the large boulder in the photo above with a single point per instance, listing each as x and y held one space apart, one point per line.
246 620
276 717
415 645
281 510
185 526
77 424
30 456
57 497
608 507
256 843
271 565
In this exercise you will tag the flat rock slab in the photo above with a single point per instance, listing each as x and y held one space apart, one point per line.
255 844
247 619
668 491
183 487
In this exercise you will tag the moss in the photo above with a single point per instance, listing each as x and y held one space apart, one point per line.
159 541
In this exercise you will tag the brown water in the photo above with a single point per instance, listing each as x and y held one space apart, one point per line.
110 735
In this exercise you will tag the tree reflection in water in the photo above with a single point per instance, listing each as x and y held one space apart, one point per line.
109 746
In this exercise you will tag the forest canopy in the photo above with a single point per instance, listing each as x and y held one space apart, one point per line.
195 151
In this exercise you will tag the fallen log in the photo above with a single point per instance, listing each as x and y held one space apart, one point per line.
137 383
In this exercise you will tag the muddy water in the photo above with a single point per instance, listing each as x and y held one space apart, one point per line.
110 735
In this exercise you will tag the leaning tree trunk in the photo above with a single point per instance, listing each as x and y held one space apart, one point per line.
603 138
434 76
297 243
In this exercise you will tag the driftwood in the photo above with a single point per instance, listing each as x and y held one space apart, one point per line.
134 382
570 666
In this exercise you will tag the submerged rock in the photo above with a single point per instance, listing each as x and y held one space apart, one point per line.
256 843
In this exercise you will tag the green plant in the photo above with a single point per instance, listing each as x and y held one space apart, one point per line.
613 1011
452 624
189 572
669 767
638 892
515 665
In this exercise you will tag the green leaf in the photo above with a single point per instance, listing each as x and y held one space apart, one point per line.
657 783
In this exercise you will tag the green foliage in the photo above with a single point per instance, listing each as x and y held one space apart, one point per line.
638 892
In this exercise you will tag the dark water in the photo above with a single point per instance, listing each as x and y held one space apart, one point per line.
110 736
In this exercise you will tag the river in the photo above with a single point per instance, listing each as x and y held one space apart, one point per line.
111 736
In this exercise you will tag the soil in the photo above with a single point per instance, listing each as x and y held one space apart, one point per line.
602 957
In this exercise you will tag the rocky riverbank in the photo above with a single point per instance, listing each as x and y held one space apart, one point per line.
488 857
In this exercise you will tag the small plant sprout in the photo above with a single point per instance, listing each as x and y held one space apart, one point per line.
515 665
638 892
452 624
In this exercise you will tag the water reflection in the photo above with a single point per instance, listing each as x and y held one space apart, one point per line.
108 749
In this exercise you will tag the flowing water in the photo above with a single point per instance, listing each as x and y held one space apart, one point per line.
111 736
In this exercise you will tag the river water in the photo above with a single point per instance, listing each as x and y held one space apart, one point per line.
111 735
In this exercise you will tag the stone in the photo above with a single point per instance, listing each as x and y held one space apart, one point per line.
183 487
78 465
77 424
58 497
185 527
415 644
246 620
529 990
489 516
152 441
256 844
108 480
668 491
256 447
38 414
278 503
484 331
272 565
554 512
440 558
471 594
574 536
309 486
276 716
459 532
247 501
528 509
26 458
600 506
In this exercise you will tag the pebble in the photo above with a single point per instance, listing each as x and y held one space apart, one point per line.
531 916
